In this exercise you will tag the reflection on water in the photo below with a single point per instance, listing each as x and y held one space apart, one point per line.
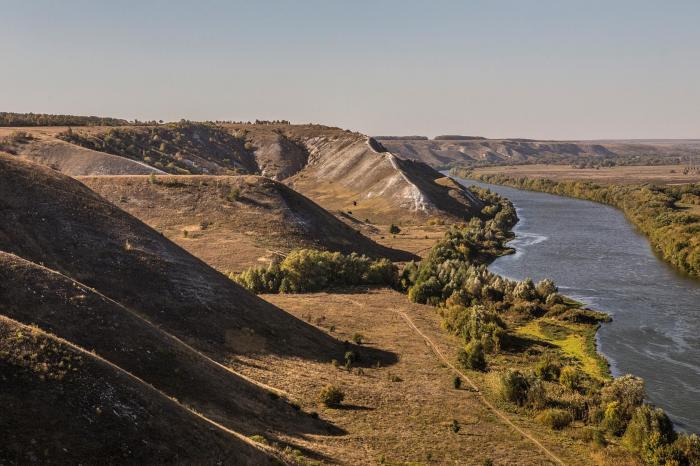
596 256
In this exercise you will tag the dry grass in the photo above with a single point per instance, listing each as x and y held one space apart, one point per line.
660 174
401 413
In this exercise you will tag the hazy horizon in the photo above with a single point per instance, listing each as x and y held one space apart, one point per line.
540 70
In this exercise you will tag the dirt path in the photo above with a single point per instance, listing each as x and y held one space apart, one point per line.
471 383
487 403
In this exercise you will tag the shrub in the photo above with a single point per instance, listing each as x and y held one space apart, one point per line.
455 427
331 396
656 452
613 418
394 229
457 382
525 290
513 387
350 357
627 391
233 195
548 369
546 288
689 447
555 418
594 436
645 422
357 338
570 377
472 357
536 394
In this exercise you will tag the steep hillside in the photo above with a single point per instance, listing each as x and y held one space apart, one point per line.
178 148
55 221
83 316
64 405
231 222
449 151
338 169
352 173
75 160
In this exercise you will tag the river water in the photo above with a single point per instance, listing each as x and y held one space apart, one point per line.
596 256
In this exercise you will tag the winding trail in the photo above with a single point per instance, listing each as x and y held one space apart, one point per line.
486 402
471 383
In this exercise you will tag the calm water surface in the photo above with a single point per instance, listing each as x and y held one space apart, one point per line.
597 257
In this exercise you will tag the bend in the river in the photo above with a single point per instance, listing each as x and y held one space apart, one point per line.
597 257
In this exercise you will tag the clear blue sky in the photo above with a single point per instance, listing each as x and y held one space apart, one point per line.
520 68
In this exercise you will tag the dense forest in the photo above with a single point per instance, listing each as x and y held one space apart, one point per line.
667 215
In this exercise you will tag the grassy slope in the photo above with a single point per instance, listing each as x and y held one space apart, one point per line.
63 405
233 222
58 222
88 319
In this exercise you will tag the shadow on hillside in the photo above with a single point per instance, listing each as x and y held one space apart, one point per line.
518 344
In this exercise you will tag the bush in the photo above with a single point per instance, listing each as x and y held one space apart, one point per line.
357 338
457 382
394 229
350 357
627 391
689 447
570 377
472 357
548 369
536 394
614 420
513 387
555 418
546 288
594 436
233 195
331 396
645 422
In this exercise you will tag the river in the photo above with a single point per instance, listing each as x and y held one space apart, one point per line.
597 257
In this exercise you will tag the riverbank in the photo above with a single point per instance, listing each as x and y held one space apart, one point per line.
530 350
668 215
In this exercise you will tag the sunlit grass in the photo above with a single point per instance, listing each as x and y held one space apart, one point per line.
576 341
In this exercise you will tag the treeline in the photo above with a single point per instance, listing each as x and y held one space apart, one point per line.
402 138
457 137
308 270
575 161
256 122
654 210
44 119
177 148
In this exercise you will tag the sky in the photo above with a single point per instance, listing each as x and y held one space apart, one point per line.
555 69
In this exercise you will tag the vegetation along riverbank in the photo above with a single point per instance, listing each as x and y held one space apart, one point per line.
668 215
530 350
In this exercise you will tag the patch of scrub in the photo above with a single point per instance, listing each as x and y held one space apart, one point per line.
576 341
